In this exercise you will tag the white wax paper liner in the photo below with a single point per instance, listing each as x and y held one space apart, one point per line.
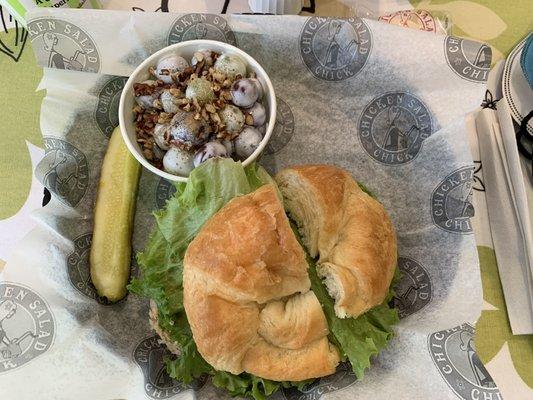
385 103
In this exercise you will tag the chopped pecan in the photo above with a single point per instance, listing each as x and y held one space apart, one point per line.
143 89
248 119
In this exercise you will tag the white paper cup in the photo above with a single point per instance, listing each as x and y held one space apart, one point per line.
186 50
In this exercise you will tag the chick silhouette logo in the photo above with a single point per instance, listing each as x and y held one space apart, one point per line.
26 326
78 268
417 19
283 129
468 59
60 44
164 191
201 26
335 49
393 126
64 171
106 113
451 201
454 354
341 379
149 355
413 291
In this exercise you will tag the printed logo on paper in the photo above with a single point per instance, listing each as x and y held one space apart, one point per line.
451 201
149 355
335 49
164 191
413 291
201 26
417 19
60 44
478 177
469 59
27 326
393 126
454 354
79 269
283 129
63 171
341 379
106 113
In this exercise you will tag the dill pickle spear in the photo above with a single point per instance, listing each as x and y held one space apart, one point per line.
110 257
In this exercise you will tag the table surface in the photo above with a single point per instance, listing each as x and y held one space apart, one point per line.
507 357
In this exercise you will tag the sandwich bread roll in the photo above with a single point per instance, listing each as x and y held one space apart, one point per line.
246 289
347 229
247 294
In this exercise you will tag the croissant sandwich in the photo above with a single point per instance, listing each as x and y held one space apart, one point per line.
266 283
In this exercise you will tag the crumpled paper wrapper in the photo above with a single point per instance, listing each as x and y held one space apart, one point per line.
385 103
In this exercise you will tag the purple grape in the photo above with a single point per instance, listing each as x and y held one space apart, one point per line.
147 101
185 129
247 142
258 113
160 132
178 162
172 63
169 102
258 86
230 147
209 150
244 93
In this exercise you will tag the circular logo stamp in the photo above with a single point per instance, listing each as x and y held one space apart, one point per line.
454 354
335 49
469 59
417 19
393 126
106 113
27 326
451 201
341 379
63 171
201 26
283 129
79 269
60 44
149 355
164 191
413 291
